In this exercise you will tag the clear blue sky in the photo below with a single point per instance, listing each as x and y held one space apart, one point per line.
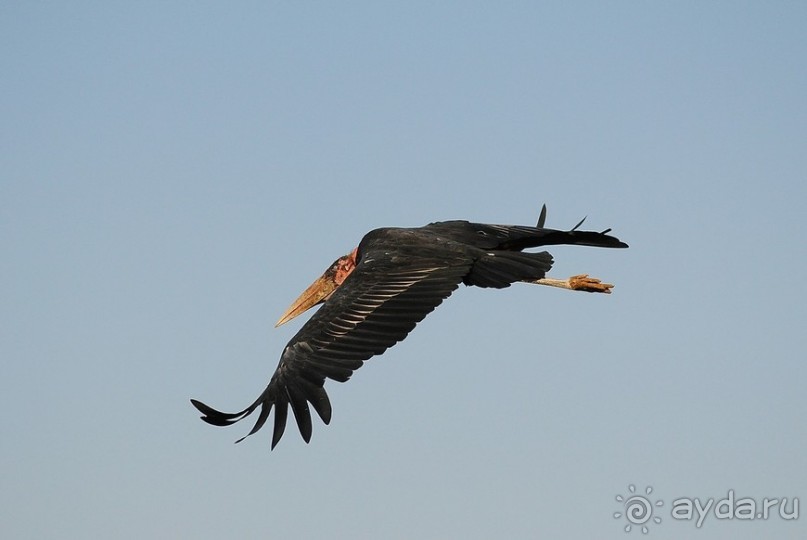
174 174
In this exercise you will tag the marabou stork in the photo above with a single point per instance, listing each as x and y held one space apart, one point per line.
376 294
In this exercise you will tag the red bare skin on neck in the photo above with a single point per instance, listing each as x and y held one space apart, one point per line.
345 266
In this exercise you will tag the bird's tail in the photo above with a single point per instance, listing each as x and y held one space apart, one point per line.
574 236
517 237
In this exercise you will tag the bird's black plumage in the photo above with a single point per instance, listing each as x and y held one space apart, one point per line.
400 276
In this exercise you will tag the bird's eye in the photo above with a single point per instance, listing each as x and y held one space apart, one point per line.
481 233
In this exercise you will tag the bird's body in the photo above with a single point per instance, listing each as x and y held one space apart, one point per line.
374 296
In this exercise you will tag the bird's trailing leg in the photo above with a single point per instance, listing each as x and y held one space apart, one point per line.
580 282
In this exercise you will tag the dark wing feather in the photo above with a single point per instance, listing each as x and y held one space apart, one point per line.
542 218
376 307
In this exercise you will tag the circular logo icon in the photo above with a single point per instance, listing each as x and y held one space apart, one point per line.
637 509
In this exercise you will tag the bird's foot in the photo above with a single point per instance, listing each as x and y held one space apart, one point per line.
582 282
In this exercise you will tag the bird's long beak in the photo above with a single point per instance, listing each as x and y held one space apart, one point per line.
317 292
322 288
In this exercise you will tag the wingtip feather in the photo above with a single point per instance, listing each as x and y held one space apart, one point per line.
542 218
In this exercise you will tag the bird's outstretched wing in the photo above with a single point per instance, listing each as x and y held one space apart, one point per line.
376 307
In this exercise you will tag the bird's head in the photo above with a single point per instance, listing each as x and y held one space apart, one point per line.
322 288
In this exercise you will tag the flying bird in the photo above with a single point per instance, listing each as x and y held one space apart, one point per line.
375 295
